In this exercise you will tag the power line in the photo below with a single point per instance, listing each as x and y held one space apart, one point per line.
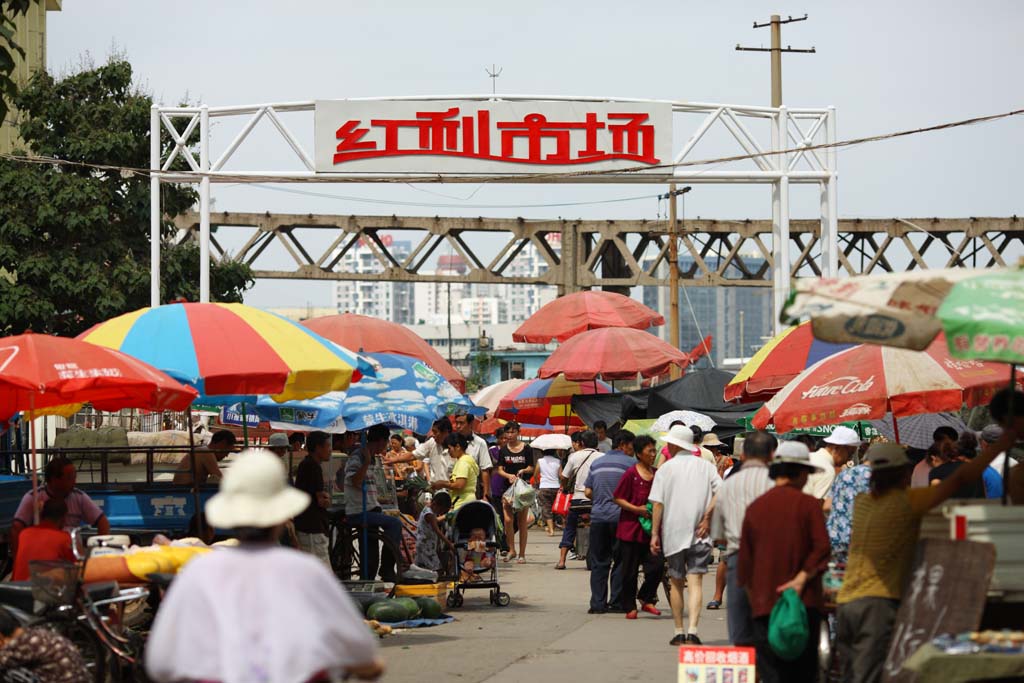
196 176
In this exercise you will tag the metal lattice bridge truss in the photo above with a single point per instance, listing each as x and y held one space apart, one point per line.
588 253
774 146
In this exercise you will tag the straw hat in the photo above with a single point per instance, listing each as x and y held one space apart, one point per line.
255 493
711 440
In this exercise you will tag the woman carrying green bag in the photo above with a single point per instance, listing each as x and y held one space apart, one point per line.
784 549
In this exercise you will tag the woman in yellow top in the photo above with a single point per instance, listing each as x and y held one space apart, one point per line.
886 522
464 474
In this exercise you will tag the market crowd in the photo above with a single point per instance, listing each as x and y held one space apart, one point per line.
779 515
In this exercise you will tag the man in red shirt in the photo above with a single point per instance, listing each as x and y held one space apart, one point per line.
784 544
44 541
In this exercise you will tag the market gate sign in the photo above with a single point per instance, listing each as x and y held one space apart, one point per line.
490 137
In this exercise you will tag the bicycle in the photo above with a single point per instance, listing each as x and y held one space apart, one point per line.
88 615
345 542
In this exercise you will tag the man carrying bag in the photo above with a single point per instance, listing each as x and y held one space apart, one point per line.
574 475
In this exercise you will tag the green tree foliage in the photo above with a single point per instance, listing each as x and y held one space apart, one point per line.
74 241
9 9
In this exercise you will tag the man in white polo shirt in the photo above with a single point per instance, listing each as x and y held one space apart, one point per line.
683 494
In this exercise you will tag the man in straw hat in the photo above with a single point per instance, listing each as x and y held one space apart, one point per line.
886 523
784 545
258 612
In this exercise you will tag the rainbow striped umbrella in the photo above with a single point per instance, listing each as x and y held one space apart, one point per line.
548 401
784 357
229 351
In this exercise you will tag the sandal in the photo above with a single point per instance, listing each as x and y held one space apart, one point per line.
714 604
559 566
509 557
520 560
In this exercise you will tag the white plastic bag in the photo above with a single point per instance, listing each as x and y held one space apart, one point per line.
520 495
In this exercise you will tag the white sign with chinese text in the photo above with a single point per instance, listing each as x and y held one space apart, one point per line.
491 138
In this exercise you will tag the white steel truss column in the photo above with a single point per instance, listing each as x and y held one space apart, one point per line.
204 206
832 239
154 206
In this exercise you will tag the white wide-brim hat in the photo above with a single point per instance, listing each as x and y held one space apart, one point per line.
255 493
680 435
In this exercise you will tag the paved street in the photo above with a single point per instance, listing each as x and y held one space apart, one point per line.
545 634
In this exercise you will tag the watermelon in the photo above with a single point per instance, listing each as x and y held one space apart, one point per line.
368 600
412 609
387 612
429 607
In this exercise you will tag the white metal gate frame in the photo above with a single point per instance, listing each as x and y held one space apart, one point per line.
791 129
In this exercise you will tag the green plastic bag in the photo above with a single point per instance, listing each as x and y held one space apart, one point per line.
787 626
645 522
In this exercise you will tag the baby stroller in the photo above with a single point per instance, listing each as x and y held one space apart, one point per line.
476 515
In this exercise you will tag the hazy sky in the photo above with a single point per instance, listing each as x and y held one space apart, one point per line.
886 66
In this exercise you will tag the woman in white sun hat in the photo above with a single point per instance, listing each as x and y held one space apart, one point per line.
259 612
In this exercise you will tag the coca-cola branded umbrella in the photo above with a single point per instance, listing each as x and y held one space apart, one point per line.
613 353
867 381
363 333
569 315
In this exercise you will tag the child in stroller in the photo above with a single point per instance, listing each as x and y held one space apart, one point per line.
474 532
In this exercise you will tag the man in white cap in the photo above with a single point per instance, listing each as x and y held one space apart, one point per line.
229 616
784 545
837 449
683 494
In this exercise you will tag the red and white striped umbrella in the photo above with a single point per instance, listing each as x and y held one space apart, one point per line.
867 381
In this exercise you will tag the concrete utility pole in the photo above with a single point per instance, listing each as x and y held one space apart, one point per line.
776 49
673 269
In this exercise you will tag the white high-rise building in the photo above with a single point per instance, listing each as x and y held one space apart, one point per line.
492 303
392 301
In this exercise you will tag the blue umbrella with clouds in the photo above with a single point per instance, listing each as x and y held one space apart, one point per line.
406 393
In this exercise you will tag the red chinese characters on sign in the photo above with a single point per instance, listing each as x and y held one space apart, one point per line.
448 133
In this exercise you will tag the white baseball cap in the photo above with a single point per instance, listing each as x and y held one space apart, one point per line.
843 436
255 493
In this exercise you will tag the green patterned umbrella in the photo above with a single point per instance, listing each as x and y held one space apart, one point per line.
984 317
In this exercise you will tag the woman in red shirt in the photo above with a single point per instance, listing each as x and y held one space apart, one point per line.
44 541
634 543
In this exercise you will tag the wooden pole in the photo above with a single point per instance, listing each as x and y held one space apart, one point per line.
201 524
673 275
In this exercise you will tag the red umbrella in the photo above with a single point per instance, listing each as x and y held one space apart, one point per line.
867 381
613 353
567 316
363 333
40 371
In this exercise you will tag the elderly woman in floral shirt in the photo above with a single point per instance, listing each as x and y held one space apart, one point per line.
849 484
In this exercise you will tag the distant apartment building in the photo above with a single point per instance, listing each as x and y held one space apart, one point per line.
483 310
738 318
394 301
30 35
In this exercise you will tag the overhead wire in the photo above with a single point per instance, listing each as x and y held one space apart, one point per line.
196 176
